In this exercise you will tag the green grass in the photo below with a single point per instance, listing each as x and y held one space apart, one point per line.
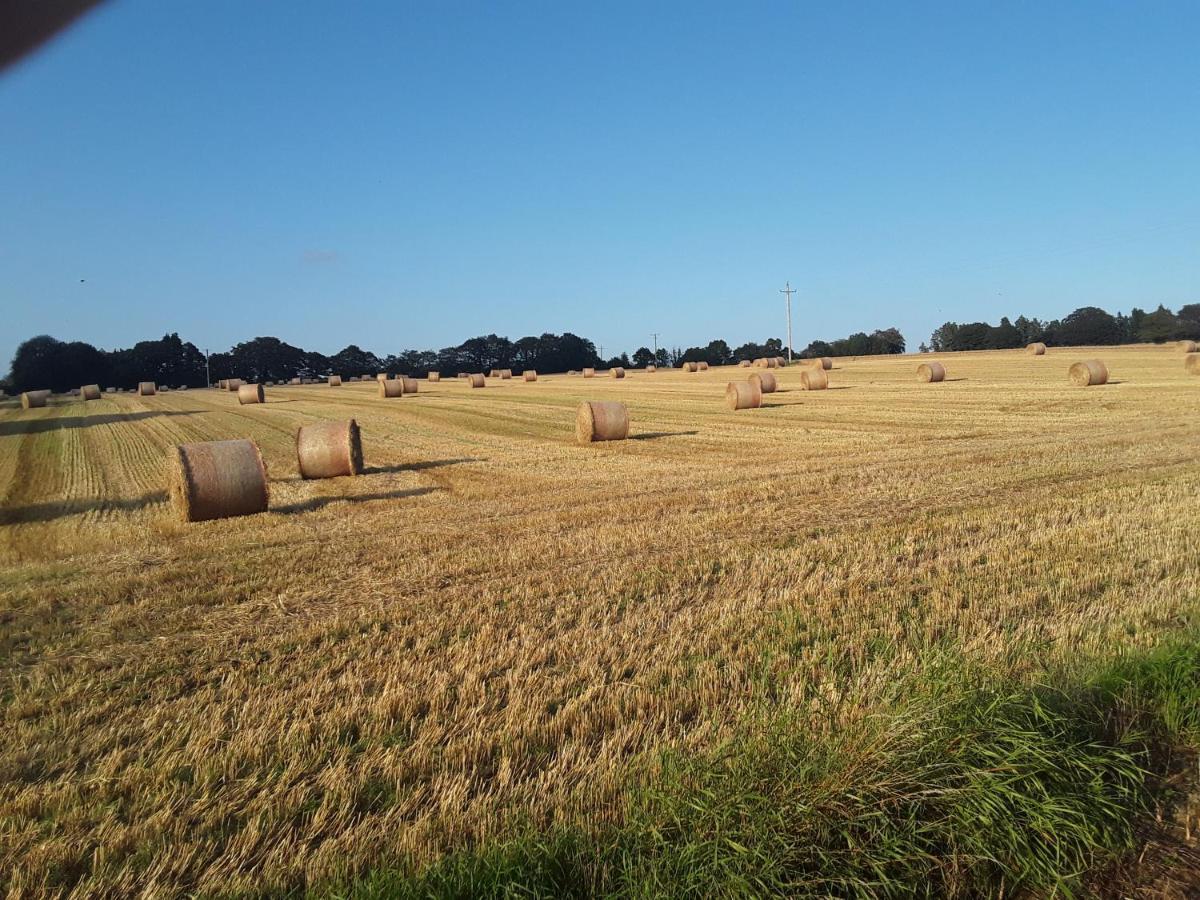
969 786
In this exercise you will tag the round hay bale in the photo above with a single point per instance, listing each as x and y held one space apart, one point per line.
110 390
702 366
931 372
251 393
393 388
90 392
743 395
329 449
34 399
780 362
223 384
601 420
651 368
744 364
1088 373
529 375
383 376
462 375
434 376
766 382
814 379
1036 349
335 380
691 367
408 385
589 373
824 362
505 374
1191 364
218 480
617 372
1188 346
477 380
146 389
294 381
233 384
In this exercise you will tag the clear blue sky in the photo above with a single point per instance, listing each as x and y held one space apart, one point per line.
407 175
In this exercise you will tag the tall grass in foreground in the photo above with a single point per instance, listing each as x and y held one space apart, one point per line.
971 786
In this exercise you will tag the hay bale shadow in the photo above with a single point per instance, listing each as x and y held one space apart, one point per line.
313 503
655 435
48 512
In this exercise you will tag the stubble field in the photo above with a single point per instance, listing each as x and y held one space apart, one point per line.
494 627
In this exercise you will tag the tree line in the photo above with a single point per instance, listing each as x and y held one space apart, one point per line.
1088 325
45 362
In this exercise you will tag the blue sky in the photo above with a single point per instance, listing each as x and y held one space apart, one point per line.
407 175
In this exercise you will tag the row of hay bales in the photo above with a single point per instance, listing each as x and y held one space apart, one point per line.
222 479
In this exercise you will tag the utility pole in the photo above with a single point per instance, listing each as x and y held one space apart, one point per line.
789 291
207 372
654 334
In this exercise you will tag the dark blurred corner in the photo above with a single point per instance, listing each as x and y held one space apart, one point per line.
27 24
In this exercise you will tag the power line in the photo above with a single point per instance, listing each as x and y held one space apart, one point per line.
789 291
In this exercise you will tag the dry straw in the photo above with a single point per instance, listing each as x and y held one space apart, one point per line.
702 366
743 395
251 393
1036 349
392 388
477 380
223 384
409 385
90 392
690 367
601 420
744 364
651 368
383 376
617 372
1191 364
589 373
146 389
780 362
335 380
505 374
434 376
34 399
765 381
529 375
233 384
814 379
294 381
1188 346
329 449
218 480
931 371
1086 374
824 362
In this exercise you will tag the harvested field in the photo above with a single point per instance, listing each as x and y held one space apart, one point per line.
278 700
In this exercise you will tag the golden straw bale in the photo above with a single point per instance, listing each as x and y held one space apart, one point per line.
217 480
651 368
702 366
222 384
589 372
1191 364
434 376
384 376
329 449
409 385
744 364
34 399
335 380
743 395
90 392
233 384
146 389
931 371
824 362
814 378
780 362
529 375
617 372
601 420
391 388
505 374
1088 373
477 380
1036 349
766 382
1188 346
251 393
